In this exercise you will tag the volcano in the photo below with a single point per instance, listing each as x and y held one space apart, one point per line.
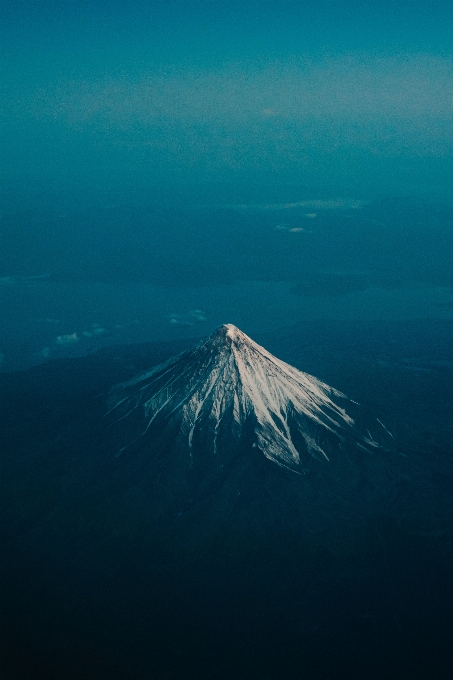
225 515
228 387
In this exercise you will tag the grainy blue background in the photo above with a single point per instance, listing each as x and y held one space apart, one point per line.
170 166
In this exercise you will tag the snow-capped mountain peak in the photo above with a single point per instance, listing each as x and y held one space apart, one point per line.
227 384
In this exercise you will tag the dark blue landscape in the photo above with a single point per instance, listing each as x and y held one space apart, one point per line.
114 568
284 167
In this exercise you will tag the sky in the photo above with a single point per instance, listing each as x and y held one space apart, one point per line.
169 166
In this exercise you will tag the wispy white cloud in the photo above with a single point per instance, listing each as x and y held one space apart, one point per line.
97 330
67 339
188 319
292 230
318 204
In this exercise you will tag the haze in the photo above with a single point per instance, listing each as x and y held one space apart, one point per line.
170 166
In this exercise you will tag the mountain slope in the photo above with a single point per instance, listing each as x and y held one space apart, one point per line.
228 384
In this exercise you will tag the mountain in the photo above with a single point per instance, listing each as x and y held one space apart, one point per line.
228 384
226 515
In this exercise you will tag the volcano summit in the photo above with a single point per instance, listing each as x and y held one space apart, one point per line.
228 387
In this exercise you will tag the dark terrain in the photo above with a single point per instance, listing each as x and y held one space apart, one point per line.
123 568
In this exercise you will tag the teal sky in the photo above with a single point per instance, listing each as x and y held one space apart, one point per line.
182 144
225 89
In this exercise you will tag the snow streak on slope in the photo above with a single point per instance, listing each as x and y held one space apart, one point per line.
228 380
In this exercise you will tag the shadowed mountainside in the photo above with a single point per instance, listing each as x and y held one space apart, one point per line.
141 564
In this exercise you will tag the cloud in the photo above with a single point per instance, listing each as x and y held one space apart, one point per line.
188 319
239 117
67 339
198 315
97 330
325 204
292 230
405 85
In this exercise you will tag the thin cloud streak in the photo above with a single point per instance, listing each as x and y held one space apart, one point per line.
410 86
279 117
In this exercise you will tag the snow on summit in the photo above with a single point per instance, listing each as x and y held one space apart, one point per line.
226 385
